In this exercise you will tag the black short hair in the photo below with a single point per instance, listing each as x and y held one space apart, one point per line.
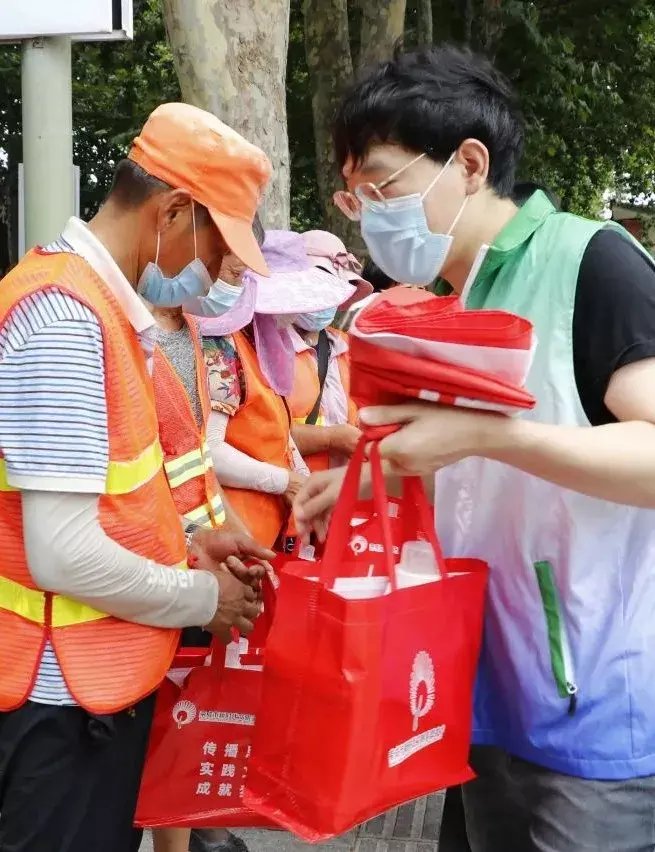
431 101
375 276
132 186
526 189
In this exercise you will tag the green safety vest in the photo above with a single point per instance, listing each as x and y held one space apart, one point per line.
567 673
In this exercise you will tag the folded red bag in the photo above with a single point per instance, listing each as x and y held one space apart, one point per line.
399 304
442 318
375 370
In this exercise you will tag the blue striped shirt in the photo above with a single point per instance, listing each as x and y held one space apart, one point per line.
53 416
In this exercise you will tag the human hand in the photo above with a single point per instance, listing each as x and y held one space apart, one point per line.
215 546
315 500
343 439
238 607
434 436
296 481
211 548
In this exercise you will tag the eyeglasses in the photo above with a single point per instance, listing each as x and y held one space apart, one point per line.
350 203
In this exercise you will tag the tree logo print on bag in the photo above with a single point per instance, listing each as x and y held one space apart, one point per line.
421 687
184 712
422 696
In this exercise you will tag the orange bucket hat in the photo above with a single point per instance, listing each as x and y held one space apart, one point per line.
191 149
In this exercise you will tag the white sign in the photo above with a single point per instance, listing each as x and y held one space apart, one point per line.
85 20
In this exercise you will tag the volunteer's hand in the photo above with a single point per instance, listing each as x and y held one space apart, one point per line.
296 481
315 501
343 439
434 436
211 548
238 607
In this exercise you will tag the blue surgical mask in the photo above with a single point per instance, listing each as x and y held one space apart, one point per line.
399 240
218 301
316 321
193 280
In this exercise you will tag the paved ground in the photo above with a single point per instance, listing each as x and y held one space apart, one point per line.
411 828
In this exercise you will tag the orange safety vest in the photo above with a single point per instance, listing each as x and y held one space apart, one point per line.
306 389
187 459
261 429
108 664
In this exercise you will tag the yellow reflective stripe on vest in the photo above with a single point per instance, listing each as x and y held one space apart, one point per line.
208 512
126 476
302 421
4 485
30 604
183 468
123 477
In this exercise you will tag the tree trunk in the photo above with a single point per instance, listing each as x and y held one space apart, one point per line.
424 25
231 60
492 26
327 46
383 23
468 22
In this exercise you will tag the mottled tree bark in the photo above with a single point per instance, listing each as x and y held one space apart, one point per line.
468 22
231 60
330 64
327 45
492 26
424 24
383 23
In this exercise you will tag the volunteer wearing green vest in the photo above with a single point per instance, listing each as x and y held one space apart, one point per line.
559 502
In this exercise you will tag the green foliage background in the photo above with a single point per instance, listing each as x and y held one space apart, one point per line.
585 71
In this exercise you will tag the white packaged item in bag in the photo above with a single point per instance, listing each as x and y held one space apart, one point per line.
361 588
417 565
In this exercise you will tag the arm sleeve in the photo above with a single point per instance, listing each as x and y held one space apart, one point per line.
614 317
236 469
53 413
71 555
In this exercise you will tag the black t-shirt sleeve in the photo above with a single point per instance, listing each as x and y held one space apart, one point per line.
614 317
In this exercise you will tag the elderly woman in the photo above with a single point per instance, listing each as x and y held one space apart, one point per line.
324 415
250 359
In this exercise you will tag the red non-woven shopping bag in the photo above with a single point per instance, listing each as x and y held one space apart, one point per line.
380 376
367 702
414 313
200 740
413 344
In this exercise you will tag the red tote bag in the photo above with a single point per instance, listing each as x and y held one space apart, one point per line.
200 741
368 703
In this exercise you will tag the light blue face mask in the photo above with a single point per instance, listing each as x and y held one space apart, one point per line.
399 240
316 321
218 301
194 280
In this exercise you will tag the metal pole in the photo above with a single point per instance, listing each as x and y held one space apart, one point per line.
47 137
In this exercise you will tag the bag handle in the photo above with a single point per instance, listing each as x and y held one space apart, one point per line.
414 493
258 637
340 529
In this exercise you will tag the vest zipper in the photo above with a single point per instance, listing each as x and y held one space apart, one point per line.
561 657
569 670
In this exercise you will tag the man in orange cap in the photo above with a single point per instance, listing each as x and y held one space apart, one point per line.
93 582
